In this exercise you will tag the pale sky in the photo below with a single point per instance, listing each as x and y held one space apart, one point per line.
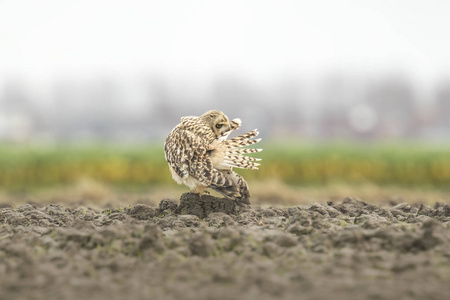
260 39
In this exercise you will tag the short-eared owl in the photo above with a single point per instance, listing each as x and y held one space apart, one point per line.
201 157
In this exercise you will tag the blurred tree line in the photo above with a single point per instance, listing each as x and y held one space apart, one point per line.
338 106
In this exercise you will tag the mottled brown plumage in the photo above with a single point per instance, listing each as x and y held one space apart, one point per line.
200 156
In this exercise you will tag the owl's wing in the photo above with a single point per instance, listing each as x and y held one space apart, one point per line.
235 124
229 154
187 155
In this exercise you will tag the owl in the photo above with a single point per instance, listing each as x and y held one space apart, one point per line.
200 156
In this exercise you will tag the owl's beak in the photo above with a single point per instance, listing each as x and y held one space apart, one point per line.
224 136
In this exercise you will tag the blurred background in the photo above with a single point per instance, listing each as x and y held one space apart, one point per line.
350 97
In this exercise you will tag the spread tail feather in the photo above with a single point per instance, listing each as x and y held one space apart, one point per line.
231 185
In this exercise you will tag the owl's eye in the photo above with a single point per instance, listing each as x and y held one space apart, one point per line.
218 126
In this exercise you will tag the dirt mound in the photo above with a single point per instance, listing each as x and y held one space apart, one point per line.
210 249
192 204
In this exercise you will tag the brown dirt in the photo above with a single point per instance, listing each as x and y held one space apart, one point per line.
210 249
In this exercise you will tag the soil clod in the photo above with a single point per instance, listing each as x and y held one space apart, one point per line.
210 248
202 206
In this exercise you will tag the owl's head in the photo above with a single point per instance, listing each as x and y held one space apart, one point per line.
218 122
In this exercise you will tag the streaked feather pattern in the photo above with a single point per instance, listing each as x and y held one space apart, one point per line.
230 152
200 156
